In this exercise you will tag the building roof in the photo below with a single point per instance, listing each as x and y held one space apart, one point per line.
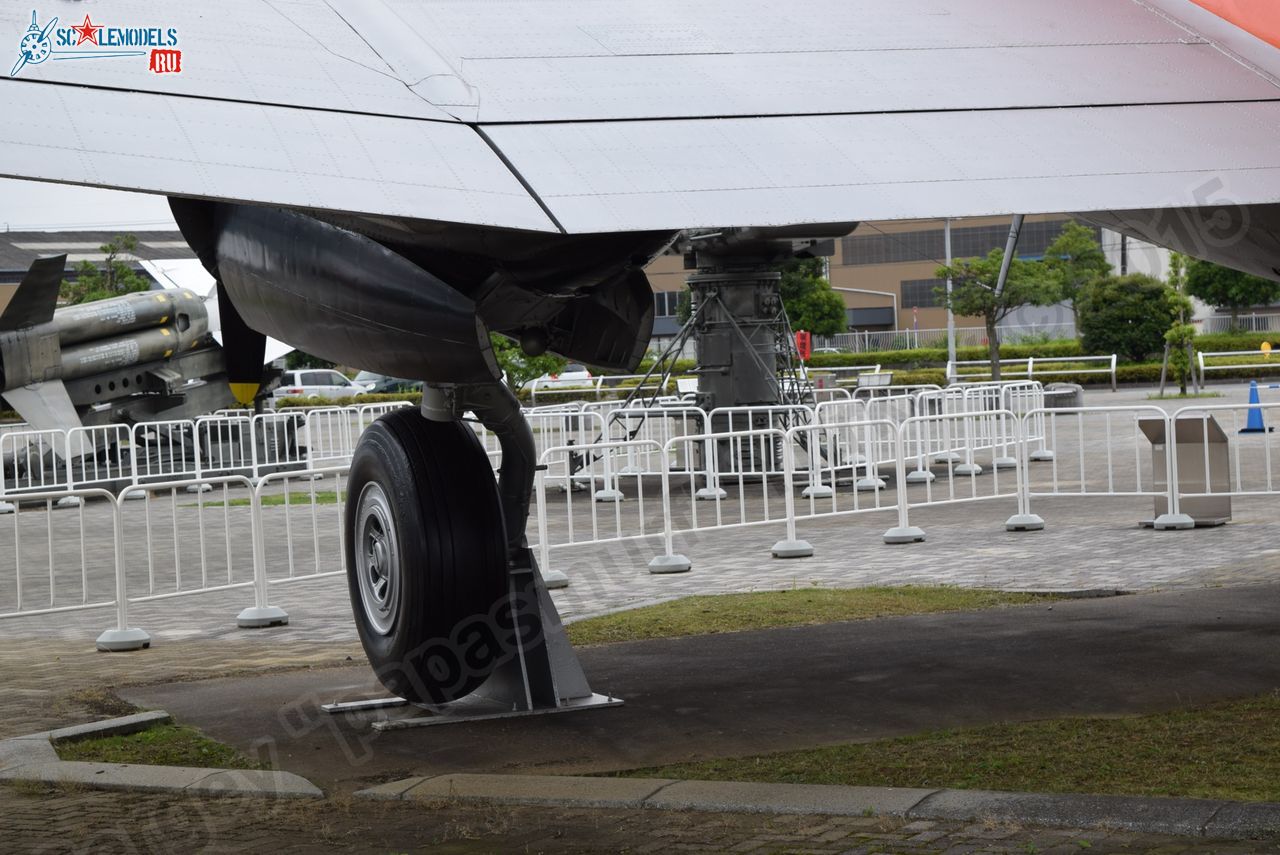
19 249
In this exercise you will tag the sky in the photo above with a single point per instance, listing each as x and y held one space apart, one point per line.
39 206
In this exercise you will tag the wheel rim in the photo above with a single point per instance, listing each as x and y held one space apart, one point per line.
377 559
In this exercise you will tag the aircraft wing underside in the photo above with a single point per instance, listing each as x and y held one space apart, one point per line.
576 116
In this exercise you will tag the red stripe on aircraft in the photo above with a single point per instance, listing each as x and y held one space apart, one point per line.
1260 17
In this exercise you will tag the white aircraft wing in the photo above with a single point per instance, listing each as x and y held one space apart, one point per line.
612 115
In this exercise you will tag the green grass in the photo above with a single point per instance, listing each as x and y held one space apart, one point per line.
1156 396
708 615
1225 751
297 497
163 745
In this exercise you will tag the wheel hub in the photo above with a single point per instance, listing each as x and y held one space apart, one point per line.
377 557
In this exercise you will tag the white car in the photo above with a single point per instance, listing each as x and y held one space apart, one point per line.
572 375
316 383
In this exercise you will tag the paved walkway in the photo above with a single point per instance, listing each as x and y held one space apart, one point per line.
98 823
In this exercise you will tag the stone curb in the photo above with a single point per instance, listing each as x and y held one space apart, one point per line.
1182 817
33 759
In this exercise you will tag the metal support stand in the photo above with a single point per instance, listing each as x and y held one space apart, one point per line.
540 676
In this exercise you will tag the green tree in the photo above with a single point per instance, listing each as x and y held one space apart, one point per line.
114 278
809 300
1230 289
1180 337
973 292
1075 259
520 366
1127 315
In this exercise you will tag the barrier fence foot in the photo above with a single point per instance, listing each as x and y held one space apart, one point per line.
69 502
818 491
866 484
609 496
904 534
554 579
1173 522
670 564
967 469
920 476
120 640
199 488
1005 463
792 549
256 618
1024 522
134 495
710 494
1042 456
6 507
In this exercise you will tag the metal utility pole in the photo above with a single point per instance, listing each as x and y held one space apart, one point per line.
951 317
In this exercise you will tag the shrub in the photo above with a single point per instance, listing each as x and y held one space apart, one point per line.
1126 315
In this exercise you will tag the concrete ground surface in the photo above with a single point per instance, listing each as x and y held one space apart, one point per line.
779 689
1210 632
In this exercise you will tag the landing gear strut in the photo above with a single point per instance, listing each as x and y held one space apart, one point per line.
448 600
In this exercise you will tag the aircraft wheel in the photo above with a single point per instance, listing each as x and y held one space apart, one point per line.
426 556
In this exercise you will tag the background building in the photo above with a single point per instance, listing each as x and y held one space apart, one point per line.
885 271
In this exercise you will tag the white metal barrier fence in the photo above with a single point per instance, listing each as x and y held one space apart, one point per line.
610 479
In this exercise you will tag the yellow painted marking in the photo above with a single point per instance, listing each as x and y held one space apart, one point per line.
164 332
168 353
244 392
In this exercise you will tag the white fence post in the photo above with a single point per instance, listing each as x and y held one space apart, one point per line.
261 614
904 531
123 637
669 561
1023 520
1172 519
791 547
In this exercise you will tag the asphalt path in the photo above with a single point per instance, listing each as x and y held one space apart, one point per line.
781 689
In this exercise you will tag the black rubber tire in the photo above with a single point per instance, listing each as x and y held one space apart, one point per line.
449 528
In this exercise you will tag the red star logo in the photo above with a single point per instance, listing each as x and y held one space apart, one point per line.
87 32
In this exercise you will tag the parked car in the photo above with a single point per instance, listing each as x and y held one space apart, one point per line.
316 383
381 384
571 375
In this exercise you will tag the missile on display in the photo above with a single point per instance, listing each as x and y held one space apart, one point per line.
141 356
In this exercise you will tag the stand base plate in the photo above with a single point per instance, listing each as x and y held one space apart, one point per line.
471 708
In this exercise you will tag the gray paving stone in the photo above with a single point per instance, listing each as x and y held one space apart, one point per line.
109 776
539 789
122 726
1240 820
252 782
748 797
390 791
26 751
1131 813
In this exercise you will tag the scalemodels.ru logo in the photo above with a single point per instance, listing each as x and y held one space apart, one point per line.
89 40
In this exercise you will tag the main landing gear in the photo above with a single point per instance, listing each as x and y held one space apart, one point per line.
448 601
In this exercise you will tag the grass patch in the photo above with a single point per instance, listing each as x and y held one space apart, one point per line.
708 615
1156 396
304 497
163 745
1225 751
